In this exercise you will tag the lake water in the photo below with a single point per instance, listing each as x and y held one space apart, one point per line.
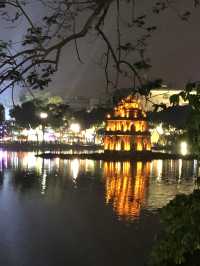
83 212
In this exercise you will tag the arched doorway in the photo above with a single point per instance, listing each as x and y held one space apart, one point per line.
122 145
133 128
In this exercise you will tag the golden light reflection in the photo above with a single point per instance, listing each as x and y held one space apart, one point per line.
27 160
180 165
126 184
89 166
159 169
184 148
75 168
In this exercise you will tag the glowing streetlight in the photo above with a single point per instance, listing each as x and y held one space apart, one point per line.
43 115
183 148
75 128
160 129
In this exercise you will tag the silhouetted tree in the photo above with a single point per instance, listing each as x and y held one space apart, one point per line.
2 113
33 63
88 119
26 115
179 243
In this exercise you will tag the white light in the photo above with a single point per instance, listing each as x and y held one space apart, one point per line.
183 148
43 183
160 129
43 115
75 128
159 169
89 134
75 168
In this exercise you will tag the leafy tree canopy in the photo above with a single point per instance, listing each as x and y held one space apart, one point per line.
28 114
180 241
2 113
88 119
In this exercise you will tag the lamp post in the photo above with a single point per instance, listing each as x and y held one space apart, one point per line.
75 129
43 117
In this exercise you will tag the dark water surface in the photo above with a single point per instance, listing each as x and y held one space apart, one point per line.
82 212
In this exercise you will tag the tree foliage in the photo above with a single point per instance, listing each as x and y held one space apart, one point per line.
180 241
88 119
27 115
191 95
2 113
33 63
58 114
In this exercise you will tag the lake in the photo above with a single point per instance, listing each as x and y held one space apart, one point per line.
84 212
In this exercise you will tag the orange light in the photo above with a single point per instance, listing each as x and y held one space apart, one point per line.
125 126
126 186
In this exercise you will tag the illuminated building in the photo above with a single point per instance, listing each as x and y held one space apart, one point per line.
162 95
127 128
126 186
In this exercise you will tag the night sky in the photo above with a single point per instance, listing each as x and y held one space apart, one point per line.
173 49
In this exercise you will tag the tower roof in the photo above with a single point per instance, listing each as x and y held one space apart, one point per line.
130 102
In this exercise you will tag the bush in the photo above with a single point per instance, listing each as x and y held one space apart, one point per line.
180 241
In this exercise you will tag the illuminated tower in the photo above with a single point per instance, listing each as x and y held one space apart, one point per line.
127 128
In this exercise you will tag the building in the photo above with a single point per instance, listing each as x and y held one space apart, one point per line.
156 96
161 95
127 128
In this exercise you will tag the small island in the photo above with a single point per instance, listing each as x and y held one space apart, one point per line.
127 137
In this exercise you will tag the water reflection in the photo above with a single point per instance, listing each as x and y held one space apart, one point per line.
169 178
75 168
126 186
23 180
48 208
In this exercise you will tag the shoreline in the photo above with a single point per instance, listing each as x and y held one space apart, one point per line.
31 146
109 156
56 150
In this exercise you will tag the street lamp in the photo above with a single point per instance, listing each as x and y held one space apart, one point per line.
43 117
75 129
184 148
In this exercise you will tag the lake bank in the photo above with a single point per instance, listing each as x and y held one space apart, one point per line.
34 146
115 156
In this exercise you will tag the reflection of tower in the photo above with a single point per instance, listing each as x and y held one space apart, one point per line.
126 186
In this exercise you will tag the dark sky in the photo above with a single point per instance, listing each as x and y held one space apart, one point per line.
173 49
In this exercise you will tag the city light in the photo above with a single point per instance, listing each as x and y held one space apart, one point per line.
43 115
160 129
128 129
75 127
184 148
